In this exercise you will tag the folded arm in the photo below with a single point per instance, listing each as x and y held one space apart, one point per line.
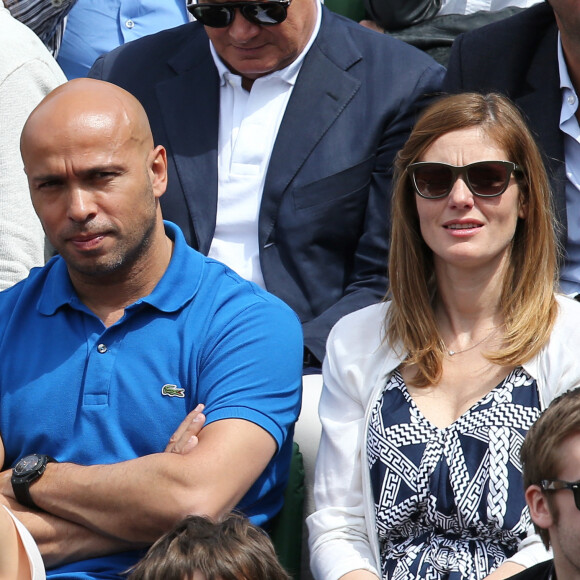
60 540
137 500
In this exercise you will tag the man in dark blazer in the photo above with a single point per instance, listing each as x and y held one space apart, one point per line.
324 211
519 57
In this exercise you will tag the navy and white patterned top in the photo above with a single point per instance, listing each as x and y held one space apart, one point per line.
449 503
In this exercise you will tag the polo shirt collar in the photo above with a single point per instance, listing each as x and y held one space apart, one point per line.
177 286
57 290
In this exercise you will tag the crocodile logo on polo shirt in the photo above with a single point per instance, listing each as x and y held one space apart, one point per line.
173 391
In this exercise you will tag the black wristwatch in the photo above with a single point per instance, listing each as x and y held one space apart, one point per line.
27 470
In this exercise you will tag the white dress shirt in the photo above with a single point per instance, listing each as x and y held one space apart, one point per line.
248 126
570 272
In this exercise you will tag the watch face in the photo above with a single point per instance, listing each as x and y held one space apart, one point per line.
27 464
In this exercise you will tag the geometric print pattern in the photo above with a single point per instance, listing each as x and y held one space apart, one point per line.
449 503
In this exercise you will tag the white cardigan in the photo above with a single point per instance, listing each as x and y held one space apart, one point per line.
342 534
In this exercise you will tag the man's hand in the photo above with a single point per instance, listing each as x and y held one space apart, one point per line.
6 486
185 437
61 541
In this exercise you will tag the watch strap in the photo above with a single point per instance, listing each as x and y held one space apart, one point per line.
22 493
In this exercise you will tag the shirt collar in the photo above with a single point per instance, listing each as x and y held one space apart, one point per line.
569 96
288 73
169 295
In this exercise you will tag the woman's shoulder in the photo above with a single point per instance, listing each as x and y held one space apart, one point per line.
568 319
365 326
375 313
555 367
566 330
359 338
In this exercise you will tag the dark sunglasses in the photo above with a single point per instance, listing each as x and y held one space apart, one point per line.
483 178
557 484
222 15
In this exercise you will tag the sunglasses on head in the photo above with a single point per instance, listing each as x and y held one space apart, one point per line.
222 15
483 178
557 484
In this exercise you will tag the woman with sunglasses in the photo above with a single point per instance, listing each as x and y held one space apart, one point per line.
428 396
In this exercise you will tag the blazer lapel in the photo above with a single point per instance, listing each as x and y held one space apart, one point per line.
321 93
190 108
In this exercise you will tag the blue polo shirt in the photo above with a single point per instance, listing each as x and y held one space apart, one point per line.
84 393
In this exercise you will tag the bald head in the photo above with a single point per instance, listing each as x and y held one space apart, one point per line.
95 177
83 105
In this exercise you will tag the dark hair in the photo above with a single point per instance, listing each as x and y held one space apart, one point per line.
232 549
540 451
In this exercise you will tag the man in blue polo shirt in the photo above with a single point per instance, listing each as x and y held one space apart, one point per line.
107 349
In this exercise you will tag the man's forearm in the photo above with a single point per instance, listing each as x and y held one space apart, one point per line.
108 501
61 541
139 499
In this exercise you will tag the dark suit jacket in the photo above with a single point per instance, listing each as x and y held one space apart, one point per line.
541 571
518 57
323 219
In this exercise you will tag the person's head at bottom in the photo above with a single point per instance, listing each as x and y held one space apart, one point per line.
551 471
198 548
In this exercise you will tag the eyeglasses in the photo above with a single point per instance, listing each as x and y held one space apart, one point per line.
222 14
483 178
557 484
